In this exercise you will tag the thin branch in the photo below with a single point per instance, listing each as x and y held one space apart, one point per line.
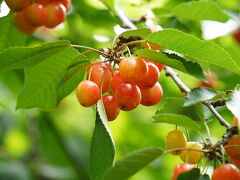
89 48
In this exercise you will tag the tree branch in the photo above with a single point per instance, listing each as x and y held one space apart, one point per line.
171 73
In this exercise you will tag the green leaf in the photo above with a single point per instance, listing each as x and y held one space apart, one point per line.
42 79
9 35
175 62
133 163
193 174
177 119
198 95
174 105
200 10
162 12
142 33
233 103
110 5
203 52
102 146
21 57
73 76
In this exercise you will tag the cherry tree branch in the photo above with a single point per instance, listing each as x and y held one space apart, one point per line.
171 73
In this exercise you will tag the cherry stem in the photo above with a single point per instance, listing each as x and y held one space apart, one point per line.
184 148
89 48
130 43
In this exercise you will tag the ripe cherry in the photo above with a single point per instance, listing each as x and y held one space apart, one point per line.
116 81
35 14
236 162
56 14
226 172
66 3
128 96
151 96
175 139
133 69
233 152
88 93
21 23
236 35
235 121
192 156
181 168
17 5
111 107
160 66
152 77
96 74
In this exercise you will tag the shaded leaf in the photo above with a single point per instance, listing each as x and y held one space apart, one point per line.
173 61
201 51
133 163
233 103
174 105
21 57
200 10
177 119
102 146
42 80
198 95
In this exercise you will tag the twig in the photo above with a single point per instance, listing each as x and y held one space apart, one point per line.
89 48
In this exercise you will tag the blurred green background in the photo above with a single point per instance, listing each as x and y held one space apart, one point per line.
55 144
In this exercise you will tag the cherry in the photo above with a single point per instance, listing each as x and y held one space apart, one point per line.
128 96
116 81
133 69
192 156
236 162
226 172
151 96
35 14
235 121
88 93
56 14
160 66
17 5
66 3
175 139
111 107
96 74
236 35
152 77
181 168
233 152
21 23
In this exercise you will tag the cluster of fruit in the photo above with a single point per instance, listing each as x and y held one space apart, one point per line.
32 14
223 172
176 139
134 82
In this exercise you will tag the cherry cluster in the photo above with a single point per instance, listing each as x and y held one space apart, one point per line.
30 14
134 81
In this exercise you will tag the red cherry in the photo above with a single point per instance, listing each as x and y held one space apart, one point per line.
152 77
181 168
35 14
88 93
236 162
111 107
96 73
116 81
17 5
128 96
160 66
236 35
21 23
151 96
56 14
66 3
133 69
226 172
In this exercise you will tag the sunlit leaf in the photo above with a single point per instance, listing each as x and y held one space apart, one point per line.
200 10
233 103
203 52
